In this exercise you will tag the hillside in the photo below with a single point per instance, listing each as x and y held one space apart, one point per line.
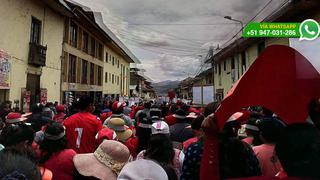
163 87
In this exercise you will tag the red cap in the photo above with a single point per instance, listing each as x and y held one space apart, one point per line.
14 117
117 105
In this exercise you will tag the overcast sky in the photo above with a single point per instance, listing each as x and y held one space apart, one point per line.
171 37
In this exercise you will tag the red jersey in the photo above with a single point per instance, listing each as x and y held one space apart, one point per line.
81 129
61 164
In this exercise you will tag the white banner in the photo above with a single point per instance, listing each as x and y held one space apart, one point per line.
196 93
208 95
309 49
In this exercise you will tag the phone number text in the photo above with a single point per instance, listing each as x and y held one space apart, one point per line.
272 33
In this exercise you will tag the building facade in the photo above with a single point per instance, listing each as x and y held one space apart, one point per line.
95 62
31 39
116 74
231 62
83 58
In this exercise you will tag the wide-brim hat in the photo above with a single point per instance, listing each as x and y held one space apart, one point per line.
14 117
105 163
180 114
88 165
124 135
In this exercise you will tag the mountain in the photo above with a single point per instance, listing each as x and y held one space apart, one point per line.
163 87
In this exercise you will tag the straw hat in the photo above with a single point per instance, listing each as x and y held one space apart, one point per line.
122 131
105 163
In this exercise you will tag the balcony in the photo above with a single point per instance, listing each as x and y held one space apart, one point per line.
37 54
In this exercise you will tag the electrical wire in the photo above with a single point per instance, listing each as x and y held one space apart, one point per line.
263 8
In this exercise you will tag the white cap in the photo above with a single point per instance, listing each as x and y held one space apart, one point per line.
160 127
142 169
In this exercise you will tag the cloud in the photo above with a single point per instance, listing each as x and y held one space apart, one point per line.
170 50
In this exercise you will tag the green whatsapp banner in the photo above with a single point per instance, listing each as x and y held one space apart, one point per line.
307 30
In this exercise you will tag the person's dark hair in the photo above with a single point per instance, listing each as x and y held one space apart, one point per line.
84 102
298 150
237 159
314 112
15 166
196 123
230 129
267 112
171 173
270 129
50 146
156 112
147 105
143 134
210 108
160 148
185 107
173 108
13 135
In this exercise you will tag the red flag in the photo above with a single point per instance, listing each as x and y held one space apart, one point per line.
280 79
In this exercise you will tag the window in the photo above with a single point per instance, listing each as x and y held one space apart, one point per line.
118 63
93 47
232 63
100 51
72 69
73 34
243 62
91 73
112 78
84 74
99 75
219 69
85 41
261 47
117 80
109 77
112 61
107 57
106 77
224 65
35 35
110 58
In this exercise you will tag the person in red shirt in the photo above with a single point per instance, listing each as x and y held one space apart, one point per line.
197 131
270 131
82 127
170 119
59 117
54 153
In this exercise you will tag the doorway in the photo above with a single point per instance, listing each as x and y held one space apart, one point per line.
33 85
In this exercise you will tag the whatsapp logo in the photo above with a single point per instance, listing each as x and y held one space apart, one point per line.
309 30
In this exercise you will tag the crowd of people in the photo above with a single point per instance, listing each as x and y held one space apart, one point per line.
152 140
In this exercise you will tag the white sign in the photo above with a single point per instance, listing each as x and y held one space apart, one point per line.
208 96
196 93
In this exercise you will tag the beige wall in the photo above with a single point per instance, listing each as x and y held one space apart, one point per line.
251 54
114 88
15 29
